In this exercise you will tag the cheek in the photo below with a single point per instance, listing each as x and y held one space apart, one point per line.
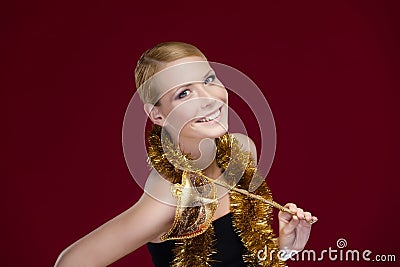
186 112
221 93
179 116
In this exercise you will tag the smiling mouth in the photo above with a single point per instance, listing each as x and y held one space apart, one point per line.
210 117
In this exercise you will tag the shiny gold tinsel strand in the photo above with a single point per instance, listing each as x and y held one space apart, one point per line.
251 218
196 251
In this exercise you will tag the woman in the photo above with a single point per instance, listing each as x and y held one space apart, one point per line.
189 107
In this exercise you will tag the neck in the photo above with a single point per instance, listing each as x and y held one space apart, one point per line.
203 152
213 171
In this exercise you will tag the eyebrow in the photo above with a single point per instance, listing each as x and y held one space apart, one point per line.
189 84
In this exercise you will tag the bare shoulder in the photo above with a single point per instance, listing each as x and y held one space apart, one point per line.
247 144
159 189
157 200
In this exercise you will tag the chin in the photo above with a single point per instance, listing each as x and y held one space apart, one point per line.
213 132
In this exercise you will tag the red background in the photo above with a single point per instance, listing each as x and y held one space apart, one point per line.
329 70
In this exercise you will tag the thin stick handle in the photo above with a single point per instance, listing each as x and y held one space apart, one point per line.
247 193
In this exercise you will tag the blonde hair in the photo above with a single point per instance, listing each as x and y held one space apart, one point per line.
153 60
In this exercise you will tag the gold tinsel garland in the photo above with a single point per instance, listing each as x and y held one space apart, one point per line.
251 218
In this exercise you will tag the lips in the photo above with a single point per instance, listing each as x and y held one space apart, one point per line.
211 116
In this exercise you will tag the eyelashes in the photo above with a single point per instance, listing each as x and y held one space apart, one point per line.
209 79
186 91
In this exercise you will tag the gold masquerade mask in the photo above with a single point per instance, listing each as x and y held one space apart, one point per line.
196 193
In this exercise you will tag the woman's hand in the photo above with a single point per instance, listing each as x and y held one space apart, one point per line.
294 230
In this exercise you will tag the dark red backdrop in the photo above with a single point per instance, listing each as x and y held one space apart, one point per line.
329 72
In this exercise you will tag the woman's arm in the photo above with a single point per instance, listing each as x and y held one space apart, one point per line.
141 223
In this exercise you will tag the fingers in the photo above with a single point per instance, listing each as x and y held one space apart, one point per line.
299 213
289 225
292 207
292 224
308 217
314 219
286 216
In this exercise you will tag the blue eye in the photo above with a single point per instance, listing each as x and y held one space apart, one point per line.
184 93
209 79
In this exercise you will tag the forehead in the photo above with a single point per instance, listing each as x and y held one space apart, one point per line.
177 73
182 60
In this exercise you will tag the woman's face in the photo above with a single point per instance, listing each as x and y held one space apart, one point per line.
196 106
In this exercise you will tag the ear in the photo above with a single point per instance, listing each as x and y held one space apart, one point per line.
154 114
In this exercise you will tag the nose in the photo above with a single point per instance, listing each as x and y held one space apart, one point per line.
208 101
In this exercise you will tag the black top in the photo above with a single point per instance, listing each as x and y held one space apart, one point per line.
228 245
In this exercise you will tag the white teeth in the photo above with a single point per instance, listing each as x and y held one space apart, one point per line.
211 117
